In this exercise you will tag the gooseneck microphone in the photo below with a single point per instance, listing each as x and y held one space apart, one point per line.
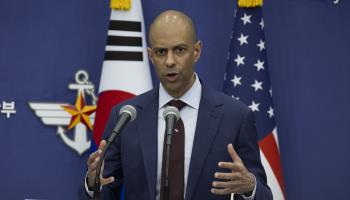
126 114
171 114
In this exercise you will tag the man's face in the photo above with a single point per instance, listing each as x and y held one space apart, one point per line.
174 52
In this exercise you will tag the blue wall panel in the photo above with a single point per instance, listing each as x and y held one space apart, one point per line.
44 42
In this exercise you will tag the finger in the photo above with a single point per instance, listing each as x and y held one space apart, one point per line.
228 187
91 179
220 191
231 166
93 165
221 184
92 170
93 156
97 153
102 144
105 181
233 154
227 176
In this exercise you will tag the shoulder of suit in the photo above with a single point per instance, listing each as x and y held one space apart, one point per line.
139 99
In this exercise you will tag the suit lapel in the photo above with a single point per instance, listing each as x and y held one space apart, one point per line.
147 128
208 121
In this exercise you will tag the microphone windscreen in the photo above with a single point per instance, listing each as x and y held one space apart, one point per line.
129 110
171 110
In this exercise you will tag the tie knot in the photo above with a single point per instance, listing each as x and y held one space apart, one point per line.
177 103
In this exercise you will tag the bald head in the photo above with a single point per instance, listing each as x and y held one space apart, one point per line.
171 20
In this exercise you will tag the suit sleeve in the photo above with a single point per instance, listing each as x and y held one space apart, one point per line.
248 150
112 166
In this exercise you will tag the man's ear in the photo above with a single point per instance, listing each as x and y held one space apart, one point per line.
150 54
197 50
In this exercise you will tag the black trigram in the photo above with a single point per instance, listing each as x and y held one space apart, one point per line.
125 41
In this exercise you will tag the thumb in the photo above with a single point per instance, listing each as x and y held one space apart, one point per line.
102 145
105 181
233 154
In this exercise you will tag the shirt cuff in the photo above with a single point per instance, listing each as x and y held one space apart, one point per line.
251 197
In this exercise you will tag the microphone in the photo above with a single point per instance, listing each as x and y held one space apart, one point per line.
171 114
126 114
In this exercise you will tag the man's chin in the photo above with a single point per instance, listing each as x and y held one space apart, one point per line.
173 89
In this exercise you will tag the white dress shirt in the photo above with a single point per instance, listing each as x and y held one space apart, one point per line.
189 115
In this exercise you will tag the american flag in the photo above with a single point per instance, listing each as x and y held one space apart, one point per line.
247 79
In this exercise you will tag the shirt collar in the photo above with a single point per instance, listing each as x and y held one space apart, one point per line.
191 97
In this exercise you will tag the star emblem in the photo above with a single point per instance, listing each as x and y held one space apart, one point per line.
239 60
257 85
80 112
236 81
243 39
259 65
246 19
261 45
254 106
270 112
262 23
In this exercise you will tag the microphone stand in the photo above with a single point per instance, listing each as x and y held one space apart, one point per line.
116 131
166 188
97 183
126 114
169 135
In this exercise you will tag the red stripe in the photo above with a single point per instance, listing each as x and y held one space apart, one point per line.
269 147
106 101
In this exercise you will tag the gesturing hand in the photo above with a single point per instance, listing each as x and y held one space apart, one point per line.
238 181
92 165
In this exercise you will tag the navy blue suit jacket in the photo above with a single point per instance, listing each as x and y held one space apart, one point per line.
132 158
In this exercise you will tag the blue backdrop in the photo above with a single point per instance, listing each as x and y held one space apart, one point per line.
43 43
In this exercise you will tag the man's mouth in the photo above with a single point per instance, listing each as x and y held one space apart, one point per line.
172 77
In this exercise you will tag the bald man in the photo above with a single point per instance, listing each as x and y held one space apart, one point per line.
220 154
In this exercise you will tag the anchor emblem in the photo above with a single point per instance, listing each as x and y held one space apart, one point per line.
79 117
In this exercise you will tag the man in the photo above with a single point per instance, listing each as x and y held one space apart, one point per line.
220 152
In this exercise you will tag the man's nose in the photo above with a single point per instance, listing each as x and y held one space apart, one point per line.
170 62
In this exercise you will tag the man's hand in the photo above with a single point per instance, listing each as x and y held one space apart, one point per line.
238 181
92 165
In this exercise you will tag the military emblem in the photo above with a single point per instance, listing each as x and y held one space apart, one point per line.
78 117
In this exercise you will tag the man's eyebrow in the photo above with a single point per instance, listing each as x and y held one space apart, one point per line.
157 48
182 44
176 46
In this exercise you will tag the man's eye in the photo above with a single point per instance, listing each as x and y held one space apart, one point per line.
160 52
180 50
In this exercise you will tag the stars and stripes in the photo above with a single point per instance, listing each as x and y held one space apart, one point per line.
247 79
